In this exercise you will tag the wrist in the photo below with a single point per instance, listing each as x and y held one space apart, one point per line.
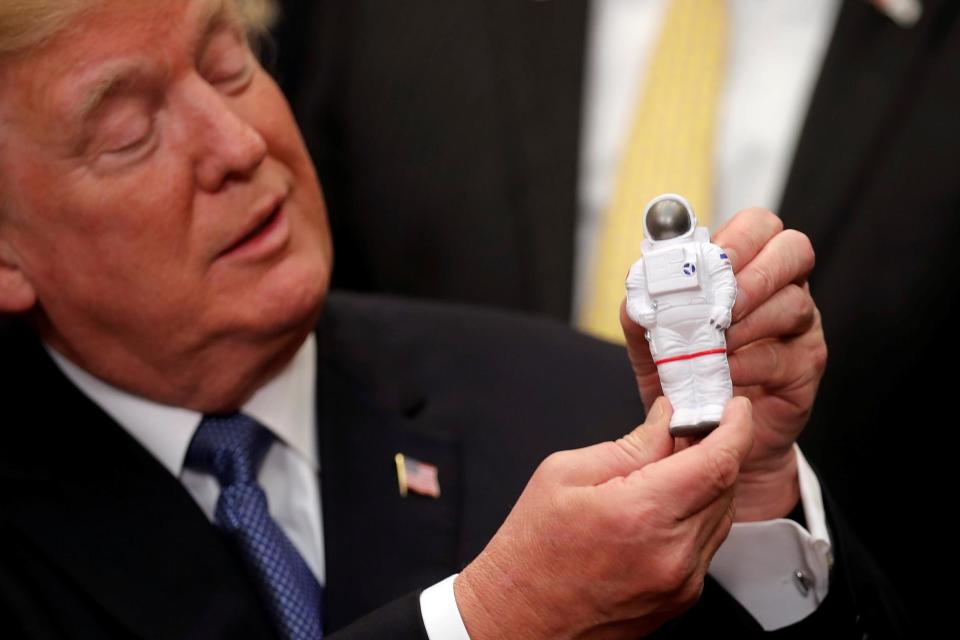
768 493
489 607
473 610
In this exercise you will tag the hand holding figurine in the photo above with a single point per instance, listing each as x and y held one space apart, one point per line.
777 353
611 540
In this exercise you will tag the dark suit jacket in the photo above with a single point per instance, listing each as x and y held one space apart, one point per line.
97 539
446 136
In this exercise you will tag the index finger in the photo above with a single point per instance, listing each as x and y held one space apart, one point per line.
787 258
692 479
745 234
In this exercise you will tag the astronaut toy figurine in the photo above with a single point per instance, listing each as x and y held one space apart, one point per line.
682 291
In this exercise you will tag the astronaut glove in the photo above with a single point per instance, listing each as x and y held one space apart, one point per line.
647 319
720 317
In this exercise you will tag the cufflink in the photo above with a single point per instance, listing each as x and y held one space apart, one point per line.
803 581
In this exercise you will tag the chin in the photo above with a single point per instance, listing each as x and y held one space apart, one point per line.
292 300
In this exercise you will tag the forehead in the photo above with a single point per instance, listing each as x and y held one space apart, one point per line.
103 42
98 26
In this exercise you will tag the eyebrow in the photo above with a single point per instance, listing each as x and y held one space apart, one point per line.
212 13
114 78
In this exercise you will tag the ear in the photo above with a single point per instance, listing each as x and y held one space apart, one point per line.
16 293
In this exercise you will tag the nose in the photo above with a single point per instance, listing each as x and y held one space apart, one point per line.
226 145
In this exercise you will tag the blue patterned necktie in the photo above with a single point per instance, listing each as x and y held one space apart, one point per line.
231 448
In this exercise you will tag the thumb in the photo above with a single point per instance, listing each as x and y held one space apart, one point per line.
697 476
649 442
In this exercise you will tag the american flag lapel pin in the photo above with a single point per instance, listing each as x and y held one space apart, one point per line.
416 476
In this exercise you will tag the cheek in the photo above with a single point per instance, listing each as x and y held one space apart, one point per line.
87 232
44 235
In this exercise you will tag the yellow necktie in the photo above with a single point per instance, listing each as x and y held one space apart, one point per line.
670 148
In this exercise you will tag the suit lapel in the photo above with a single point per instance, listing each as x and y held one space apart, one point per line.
862 91
538 50
378 545
93 504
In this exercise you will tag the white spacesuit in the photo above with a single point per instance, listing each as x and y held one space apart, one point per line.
682 292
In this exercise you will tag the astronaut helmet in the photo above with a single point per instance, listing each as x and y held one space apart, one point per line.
668 216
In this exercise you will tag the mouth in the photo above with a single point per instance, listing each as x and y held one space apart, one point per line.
268 232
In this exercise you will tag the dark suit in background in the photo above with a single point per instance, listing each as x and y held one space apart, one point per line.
446 136
99 540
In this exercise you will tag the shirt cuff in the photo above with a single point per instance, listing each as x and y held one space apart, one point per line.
777 570
441 617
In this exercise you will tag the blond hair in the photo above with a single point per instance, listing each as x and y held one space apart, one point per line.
28 23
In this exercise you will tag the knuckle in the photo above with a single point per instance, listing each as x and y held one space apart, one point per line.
775 364
632 446
688 595
803 248
765 217
820 357
773 220
767 223
672 573
777 221
765 281
799 306
554 466
729 516
808 306
819 353
723 467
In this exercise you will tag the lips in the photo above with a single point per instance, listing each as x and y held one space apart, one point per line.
265 221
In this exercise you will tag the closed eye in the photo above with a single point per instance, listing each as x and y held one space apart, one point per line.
124 124
227 61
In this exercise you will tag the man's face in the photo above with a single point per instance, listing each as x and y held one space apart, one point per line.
159 202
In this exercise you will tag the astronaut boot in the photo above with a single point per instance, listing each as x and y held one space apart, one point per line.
708 417
683 422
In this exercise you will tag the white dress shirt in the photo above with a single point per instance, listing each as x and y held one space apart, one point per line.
289 475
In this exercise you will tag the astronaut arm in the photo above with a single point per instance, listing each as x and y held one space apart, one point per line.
724 284
639 304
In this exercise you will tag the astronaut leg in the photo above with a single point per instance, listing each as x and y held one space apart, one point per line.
713 388
711 372
669 345
676 380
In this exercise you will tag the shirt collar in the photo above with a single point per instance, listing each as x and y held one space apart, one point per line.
286 405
